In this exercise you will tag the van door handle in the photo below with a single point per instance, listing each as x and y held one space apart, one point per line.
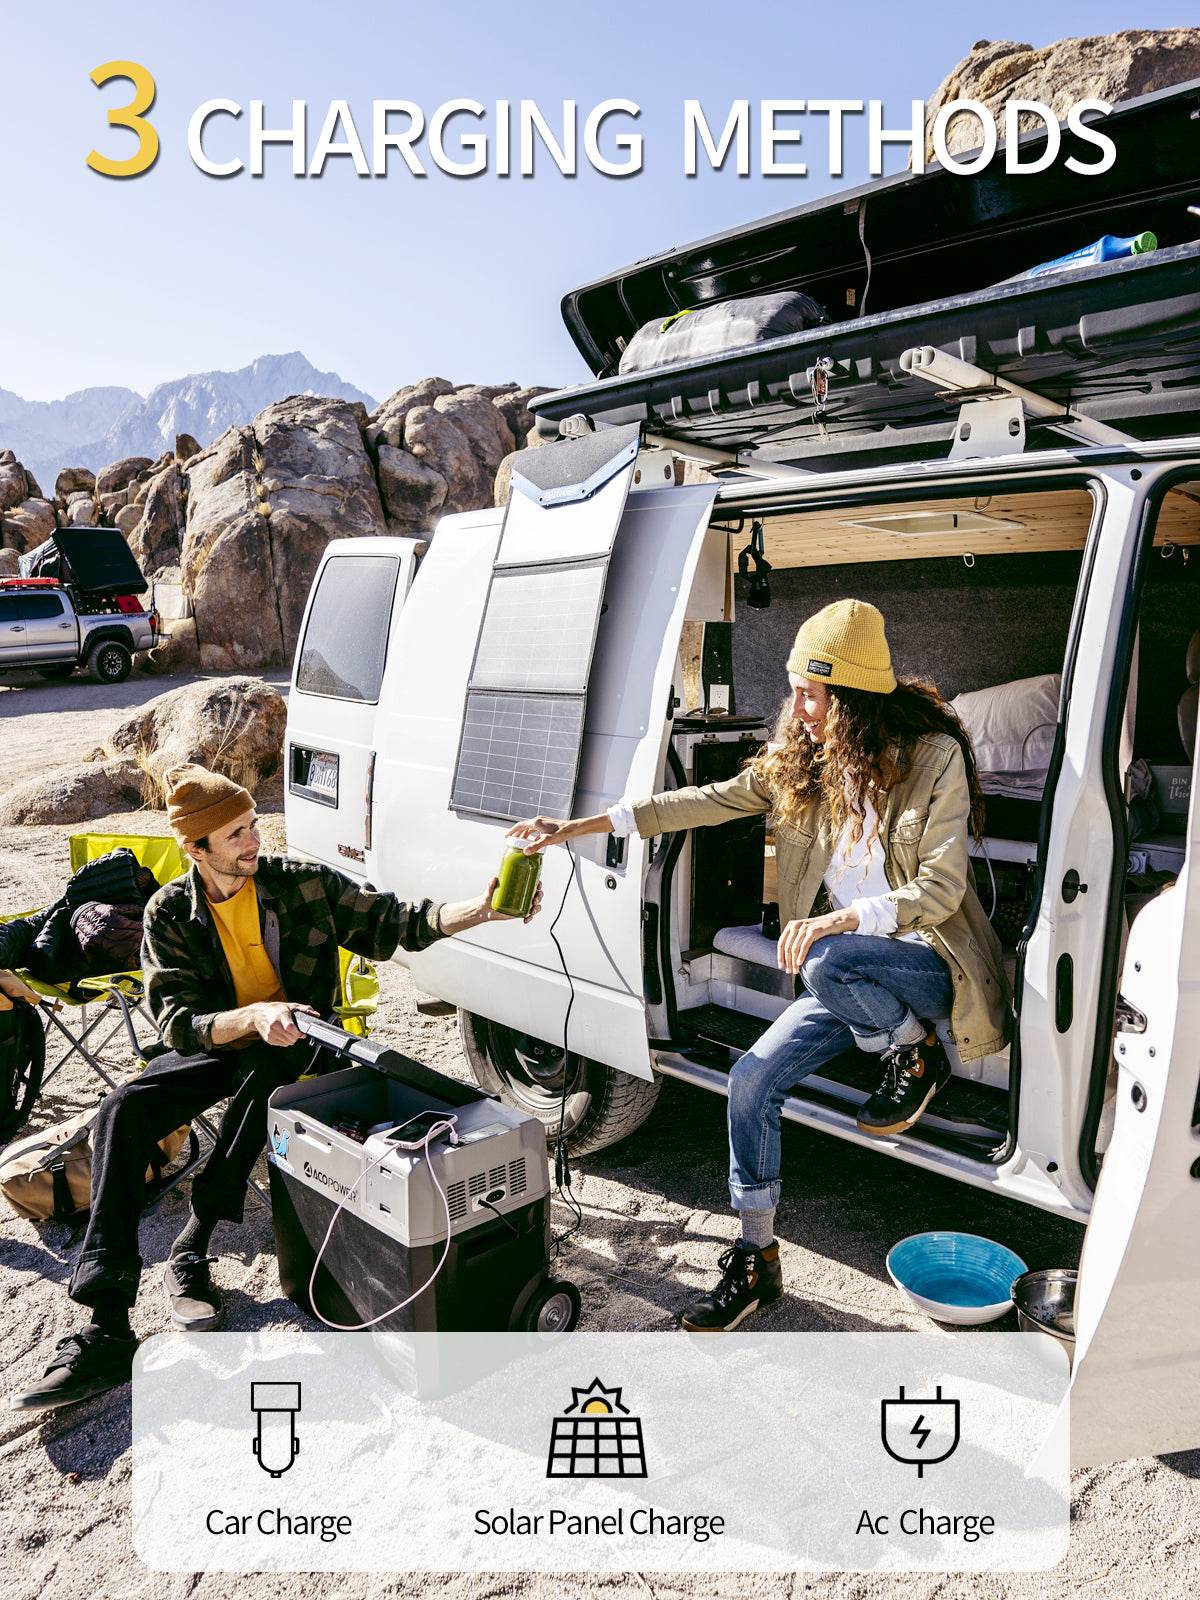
1071 886
1128 1018
1064 993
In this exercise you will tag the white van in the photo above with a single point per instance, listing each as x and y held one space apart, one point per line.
1012 474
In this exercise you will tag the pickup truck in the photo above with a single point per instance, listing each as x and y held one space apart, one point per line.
42 630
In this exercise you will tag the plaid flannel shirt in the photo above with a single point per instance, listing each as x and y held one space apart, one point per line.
307 912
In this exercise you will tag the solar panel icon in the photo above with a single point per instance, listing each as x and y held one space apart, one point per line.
596 1437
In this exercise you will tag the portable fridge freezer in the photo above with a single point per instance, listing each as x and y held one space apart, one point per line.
331 1143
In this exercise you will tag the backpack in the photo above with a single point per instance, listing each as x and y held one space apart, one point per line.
48 1175
22 1063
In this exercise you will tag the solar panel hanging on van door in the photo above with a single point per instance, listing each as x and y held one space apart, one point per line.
523 722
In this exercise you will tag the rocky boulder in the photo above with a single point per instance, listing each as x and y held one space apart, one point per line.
29 524
1110 67
71 481
154 523
186 447
262 504
81 512
120 474
117 483
438 447
10 562
25 517
76 794
504 471
16 485
233 725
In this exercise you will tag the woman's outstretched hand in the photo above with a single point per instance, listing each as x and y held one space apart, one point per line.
538 832
798 938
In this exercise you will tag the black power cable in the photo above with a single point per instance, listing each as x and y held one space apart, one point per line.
562 1170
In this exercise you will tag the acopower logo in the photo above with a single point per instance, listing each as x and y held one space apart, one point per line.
325 1180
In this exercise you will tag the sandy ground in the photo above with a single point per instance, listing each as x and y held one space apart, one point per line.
654 1222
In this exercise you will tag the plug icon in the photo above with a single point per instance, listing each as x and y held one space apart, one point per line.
920 1433
275 1442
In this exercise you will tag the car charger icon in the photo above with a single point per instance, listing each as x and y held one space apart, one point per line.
920 1433
275 1443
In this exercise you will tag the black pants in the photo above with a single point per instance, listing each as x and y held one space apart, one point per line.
169 1093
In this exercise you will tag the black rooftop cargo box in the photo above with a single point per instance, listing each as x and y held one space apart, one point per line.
915 260
97 561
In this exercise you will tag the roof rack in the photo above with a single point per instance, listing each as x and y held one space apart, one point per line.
940 267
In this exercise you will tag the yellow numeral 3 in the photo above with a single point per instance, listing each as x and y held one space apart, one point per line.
132 117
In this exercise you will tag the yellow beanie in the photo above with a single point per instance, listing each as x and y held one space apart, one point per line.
844 644
198 801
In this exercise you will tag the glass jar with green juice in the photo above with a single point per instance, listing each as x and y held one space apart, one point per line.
519 874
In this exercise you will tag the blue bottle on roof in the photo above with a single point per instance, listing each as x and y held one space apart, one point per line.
1109 248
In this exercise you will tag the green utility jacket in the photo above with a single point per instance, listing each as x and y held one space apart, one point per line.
925 827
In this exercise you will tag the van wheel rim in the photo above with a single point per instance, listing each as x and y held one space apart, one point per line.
111 662
555 1313
537 1073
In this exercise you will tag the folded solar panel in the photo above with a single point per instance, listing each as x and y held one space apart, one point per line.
519 752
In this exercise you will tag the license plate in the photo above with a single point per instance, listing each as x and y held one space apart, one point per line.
323 774
314 774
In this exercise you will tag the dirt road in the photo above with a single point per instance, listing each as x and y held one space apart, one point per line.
655 1219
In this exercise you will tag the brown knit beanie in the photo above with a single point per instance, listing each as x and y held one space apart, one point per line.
199 801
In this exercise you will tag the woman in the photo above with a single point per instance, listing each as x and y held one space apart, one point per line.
873 791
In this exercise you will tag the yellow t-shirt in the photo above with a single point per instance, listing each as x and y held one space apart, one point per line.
240 932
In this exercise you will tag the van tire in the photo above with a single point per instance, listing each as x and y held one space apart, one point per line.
603 1105
109 661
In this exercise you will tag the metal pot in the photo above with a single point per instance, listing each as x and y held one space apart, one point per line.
1045 1302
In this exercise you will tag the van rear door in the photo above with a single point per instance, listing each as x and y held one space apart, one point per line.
359 587
1136 1385
430 843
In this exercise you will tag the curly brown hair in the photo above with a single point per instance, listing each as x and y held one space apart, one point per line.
868 744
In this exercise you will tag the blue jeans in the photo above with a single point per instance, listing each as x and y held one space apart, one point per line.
862 991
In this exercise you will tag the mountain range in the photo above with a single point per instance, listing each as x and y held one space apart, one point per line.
95 426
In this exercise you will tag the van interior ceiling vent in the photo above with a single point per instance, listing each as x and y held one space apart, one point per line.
907 523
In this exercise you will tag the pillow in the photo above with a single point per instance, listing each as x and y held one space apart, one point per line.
1012 724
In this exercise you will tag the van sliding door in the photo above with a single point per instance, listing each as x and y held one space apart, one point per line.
1136 1385
1136 1382
481 724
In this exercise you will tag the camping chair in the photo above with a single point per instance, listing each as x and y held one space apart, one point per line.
121 995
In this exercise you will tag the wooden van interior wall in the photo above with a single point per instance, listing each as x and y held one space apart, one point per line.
1022 523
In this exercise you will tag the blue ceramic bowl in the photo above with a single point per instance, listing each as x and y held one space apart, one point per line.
955 1277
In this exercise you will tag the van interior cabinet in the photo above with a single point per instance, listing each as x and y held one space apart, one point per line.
727 862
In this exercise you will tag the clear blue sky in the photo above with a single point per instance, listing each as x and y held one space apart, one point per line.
139 281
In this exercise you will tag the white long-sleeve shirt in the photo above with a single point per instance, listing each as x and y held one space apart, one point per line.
855 878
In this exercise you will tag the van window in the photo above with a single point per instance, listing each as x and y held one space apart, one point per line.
345 643
9 609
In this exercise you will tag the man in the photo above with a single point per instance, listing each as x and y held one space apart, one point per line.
231 951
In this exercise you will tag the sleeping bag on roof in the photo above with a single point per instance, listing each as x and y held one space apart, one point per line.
709 330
